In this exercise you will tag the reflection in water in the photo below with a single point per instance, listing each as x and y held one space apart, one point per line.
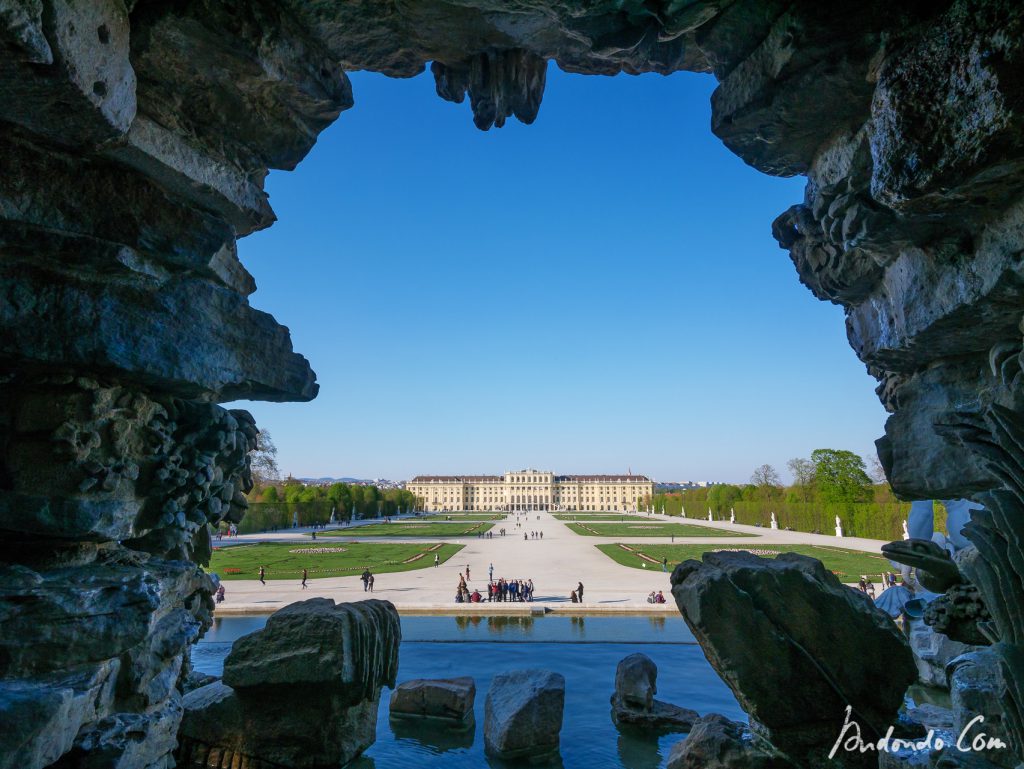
578 626
638 750
657 622
435 736
554 762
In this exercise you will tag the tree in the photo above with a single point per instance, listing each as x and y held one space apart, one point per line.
840 476
263 460
875 469
802 470
765 476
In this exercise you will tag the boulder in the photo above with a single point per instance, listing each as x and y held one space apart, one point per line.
450 699
633 701
523 714
302 692
715 742
932 653
796 647
976 689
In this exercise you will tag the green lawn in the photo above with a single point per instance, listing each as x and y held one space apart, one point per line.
404 529
460 517
848 565
650 529
286 560
598 517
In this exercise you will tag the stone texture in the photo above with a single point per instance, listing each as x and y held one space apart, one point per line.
715 742
932 653
975 688
449 699
136 139
633 701
303 691
823 640
523 715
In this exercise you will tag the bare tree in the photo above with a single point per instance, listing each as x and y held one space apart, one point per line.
875 470
803 471
765 475
263 460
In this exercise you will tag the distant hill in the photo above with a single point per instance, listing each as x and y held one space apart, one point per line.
319 481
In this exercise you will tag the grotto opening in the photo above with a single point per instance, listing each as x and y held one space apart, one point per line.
136 136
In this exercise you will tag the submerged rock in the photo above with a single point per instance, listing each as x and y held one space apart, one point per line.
523 714
633 701
715 742
449 699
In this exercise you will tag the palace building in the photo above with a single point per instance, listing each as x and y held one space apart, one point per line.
531 490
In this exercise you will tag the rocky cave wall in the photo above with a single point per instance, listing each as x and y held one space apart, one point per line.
135 138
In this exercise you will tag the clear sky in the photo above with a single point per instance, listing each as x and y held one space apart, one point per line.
596 292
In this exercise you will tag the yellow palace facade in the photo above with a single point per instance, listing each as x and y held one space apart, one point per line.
526 490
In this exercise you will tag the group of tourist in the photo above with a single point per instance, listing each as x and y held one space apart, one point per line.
367 579
510 590
576 596
533 535
865 585
658 597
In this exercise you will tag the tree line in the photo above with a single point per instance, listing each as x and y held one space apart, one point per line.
830 483
275 504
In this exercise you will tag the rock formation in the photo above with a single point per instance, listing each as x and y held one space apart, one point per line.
302 692
796 647
633 702
446 699
715 742
134 145
523 715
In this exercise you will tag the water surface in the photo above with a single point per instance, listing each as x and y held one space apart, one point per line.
583 649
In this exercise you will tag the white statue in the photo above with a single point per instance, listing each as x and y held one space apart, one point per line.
921 524
775 523
710 517
906 532
839 527
684 512
732 515
295 519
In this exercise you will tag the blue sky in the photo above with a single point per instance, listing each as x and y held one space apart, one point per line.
595 292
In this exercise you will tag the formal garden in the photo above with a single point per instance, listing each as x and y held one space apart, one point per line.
286 560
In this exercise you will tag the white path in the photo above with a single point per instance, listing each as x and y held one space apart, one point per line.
555 564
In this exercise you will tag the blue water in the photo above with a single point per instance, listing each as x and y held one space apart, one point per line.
583 649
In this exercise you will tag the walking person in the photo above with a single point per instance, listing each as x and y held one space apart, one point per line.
370 583
437 560
305 575
365 577
263 574
490 573
467 572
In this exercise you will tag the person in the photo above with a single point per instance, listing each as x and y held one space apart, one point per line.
579 591
220 594
490 573
263 574
370 583
475 598
651 597
573 597
305 574
664 563
365 577
542 535
660 597
529 590
467 572
437 560
871 589
525 535
862 585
